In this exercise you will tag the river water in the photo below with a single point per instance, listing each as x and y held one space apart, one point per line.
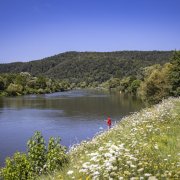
73 115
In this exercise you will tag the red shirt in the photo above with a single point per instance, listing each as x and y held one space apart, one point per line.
109 121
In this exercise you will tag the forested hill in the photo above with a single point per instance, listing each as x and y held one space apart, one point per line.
90 66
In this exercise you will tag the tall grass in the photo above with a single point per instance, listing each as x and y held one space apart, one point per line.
145 145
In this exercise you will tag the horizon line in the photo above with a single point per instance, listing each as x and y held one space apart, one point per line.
73 51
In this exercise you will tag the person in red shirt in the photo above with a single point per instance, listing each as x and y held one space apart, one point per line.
109 122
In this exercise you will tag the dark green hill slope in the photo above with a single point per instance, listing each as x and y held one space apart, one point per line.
90 66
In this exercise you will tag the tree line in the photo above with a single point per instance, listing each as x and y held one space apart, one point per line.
24 83
89 67
154 82
151 75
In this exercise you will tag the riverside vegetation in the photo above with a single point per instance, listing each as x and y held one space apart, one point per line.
23 83
143 145
155 83
126 71
38 160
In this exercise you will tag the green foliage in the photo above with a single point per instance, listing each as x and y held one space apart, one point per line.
90 67
144 145
161 81
24 83
17 167
22 78
134 86
126 83
32 83
56 156
131 72
40 159
14 89
114 83
2 84
41 82
8 79
63 85
156 84
37 152
175 74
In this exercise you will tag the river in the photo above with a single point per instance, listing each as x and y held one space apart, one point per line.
73 115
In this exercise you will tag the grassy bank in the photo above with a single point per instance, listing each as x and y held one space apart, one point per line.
144 145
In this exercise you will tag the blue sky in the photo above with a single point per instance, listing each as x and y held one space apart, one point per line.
33 29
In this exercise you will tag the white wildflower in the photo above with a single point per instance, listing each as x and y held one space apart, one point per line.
140 170
94 154
96 173
156 146
152 178
70 172
83 170
101 149
108 155
147 174
132 166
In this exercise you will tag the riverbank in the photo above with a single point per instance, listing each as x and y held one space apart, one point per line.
143 145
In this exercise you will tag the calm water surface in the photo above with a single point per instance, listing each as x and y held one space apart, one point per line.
74 116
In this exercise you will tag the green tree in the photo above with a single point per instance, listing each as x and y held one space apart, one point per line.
14 89
134 86
32 82
8 79
175 74
156 84
114 83
22 78
125 83
41 82
2 84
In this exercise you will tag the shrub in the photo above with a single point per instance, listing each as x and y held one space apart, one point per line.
156 84
14 89
2 84
134 86
37 152
17 167
56 156
39 159
175 74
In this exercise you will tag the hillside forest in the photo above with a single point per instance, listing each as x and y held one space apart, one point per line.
150 75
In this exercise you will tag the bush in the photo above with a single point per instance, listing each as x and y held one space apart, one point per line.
156 84
17 167
175 74
56 156
37 152
2 84
40 159
14 89
134 86
40 91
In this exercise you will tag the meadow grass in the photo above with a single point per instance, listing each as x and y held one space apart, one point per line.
144 145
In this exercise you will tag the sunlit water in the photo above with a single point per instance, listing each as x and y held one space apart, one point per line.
74 116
